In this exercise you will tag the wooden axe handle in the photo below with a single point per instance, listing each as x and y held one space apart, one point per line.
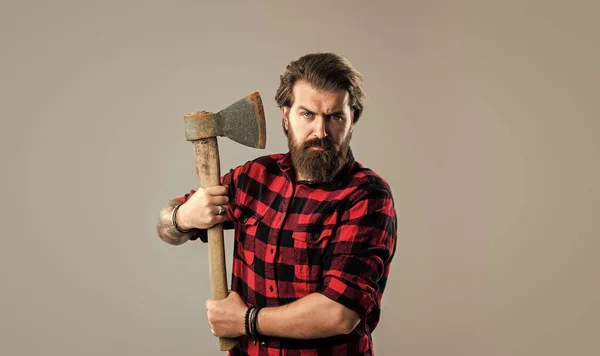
208 167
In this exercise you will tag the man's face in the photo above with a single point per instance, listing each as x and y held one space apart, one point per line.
319 125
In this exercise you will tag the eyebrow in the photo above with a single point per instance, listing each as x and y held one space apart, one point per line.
337 113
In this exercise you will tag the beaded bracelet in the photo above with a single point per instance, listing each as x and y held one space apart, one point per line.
246 321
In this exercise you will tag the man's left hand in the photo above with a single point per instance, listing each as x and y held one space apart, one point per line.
226 316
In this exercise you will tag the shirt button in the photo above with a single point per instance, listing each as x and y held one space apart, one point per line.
245 220
271 288
272 250
280 217
313 237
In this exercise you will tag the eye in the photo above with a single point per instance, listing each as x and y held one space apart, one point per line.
336 117
306 114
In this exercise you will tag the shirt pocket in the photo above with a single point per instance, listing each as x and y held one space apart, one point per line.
309 247
246 237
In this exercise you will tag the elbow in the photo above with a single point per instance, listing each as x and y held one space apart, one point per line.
170 241
164 235
341 319
347 320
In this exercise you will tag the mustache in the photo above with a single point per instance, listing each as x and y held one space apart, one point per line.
325 143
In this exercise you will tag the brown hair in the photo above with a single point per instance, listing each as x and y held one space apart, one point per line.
325 71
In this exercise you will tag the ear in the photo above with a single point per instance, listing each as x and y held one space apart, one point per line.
285 111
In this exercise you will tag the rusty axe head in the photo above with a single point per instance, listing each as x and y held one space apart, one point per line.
242 122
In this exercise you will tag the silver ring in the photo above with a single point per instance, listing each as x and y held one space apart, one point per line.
221 210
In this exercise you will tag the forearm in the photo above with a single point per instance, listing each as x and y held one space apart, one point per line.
165 228
311 317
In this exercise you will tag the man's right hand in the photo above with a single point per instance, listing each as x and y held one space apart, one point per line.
201 210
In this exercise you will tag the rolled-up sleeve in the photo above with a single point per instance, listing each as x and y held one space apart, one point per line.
357 259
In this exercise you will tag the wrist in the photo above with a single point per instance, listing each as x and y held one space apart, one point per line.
178 222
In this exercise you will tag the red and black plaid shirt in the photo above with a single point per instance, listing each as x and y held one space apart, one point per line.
296 238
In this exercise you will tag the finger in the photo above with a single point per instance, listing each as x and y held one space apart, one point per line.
220 210
218 219
219 199
217 190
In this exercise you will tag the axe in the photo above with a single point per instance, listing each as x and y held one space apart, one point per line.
242 122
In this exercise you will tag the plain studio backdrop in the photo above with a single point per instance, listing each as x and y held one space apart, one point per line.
482 116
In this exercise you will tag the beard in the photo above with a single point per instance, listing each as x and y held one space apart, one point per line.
319 166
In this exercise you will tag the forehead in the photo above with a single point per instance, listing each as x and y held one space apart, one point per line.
320 100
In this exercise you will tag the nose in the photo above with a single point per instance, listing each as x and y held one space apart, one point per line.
319 128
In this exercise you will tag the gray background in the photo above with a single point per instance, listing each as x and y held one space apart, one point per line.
482 115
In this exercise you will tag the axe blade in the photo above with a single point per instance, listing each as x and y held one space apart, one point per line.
244 122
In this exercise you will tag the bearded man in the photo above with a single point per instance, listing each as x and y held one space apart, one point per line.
315 230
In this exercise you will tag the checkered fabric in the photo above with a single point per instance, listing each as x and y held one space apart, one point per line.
294 238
